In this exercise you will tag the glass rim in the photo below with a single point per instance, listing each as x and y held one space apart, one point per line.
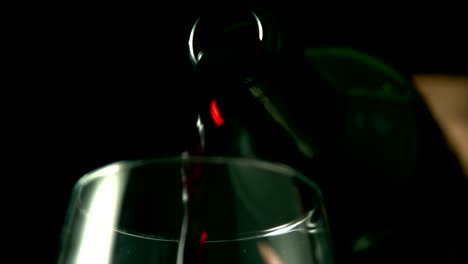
276 167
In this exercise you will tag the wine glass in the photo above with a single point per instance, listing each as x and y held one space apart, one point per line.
196 210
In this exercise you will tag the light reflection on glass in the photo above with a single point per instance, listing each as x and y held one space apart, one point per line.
98 236
260 27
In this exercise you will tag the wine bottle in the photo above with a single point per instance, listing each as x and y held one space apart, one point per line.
341 116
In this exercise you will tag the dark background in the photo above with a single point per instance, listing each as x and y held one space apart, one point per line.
105 82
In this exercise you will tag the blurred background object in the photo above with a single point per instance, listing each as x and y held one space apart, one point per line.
447 97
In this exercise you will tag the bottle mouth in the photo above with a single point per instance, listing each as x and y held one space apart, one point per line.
228 49
239 34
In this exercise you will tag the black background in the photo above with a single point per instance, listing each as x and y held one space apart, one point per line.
99 82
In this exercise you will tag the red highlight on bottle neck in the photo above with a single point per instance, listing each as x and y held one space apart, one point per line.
215 114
